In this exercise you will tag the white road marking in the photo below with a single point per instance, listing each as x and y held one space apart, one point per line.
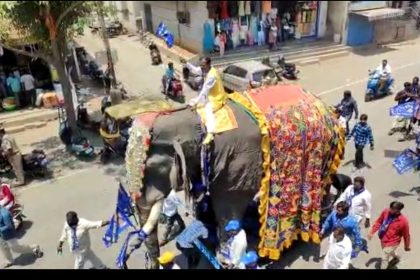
362 80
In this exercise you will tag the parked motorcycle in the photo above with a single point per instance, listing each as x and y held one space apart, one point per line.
155 54
8 201
78 144
289 70
194 81
378 85
35 164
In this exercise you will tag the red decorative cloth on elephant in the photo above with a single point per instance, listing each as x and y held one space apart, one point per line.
302 147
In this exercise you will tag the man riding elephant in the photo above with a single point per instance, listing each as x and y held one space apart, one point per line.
212 95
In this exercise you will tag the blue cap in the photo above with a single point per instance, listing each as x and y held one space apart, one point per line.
249 258
233 225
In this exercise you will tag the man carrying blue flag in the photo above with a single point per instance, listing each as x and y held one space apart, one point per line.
120 221
76 232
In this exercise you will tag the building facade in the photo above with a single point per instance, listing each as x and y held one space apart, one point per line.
195 24
242 22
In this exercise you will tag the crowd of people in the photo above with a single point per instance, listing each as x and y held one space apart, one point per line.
20 86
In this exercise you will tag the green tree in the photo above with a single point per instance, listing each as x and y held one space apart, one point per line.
49 24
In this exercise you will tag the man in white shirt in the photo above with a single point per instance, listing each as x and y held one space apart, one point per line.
384 68
236 245
339 250
76 232
29 92
170 214
359 199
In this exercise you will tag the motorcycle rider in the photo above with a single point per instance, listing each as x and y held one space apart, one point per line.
348 105
13 155
385 70
169 76
212 95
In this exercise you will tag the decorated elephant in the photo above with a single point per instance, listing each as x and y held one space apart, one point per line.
280 141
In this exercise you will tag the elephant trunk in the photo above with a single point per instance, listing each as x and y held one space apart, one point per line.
149 219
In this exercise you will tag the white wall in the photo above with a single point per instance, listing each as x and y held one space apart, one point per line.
322 18
337 18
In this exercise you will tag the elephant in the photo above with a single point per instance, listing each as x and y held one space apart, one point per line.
237 161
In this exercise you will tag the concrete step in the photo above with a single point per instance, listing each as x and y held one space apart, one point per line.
319 58
26 119
290 55
264 49
20 128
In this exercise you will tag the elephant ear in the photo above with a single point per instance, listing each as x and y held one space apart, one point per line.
178 174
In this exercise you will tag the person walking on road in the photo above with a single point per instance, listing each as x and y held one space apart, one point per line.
76 231
170 214
362 133
392 226
404 96
359 199
348 106
341 217
9 242
339 250
12 152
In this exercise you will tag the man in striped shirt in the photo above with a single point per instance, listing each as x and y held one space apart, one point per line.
362 133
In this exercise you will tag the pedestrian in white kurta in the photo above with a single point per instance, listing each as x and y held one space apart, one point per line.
339 250
359 199
76 232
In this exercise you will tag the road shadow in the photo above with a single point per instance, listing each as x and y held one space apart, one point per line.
391 153
352 161
376 261
372 50
25 226
299 250
398 194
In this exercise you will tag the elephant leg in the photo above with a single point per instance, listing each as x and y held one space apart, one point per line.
152 243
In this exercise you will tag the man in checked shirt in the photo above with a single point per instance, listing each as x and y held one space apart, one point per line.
362 133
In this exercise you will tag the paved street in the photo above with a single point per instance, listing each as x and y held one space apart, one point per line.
92 191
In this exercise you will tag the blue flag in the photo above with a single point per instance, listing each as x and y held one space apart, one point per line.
406 110
406 161
121 258
169 40
161 30
120 221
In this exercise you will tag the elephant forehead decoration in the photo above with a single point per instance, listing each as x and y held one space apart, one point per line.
136 155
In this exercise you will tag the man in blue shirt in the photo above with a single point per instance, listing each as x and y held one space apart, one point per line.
14 86
340 217
348 106
8 241
362 133
169 76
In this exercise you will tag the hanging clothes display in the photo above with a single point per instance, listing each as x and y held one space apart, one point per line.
213 7
241 8
233 8
256 7
253 28
223 5
261 34
248 8
266 7
243 34
208 39
235 33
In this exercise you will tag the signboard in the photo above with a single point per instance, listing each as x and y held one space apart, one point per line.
101 57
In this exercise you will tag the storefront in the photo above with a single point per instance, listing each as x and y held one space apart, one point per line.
238 24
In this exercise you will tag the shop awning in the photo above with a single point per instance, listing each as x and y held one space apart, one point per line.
380 14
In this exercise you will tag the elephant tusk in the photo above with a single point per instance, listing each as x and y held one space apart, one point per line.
152 221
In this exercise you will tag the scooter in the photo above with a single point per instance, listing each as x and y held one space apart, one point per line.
8 201
276 68
377 86
155 54
194 81
79 145
174 90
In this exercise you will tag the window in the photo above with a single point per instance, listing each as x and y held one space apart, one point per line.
258 76
235 71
